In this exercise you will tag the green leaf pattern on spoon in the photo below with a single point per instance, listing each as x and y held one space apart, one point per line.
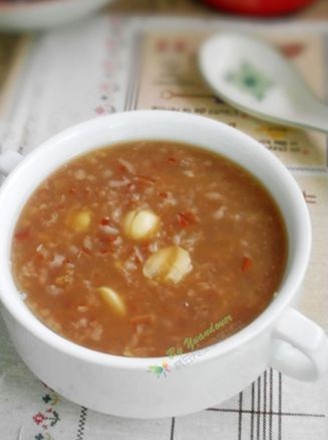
250 80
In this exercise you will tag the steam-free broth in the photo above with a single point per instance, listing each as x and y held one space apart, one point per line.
147 248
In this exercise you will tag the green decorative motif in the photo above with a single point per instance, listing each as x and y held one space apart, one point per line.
159 370
250 80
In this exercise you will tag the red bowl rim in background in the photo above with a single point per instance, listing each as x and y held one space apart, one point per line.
259 7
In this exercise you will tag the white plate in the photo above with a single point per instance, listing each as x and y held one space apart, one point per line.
42 14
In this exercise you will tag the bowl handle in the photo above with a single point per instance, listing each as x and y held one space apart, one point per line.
8 161
300 347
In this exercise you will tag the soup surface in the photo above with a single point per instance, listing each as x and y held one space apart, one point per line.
149 248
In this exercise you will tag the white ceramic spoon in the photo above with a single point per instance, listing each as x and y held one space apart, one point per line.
254 77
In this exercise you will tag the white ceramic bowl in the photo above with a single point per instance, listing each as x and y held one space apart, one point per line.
280 336
43 14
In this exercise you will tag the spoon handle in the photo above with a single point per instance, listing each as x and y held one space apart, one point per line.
315 117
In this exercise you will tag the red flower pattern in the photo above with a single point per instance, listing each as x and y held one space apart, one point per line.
39 418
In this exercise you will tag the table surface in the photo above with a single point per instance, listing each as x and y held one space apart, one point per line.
130 47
